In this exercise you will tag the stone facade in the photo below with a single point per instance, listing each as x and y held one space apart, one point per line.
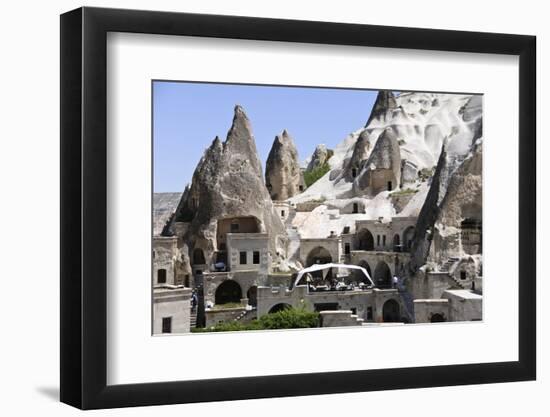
171 309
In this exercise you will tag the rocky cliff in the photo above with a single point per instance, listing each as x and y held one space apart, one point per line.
283 176
320 157
228 182
452 211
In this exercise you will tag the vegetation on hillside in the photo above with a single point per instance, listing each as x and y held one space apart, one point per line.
310 177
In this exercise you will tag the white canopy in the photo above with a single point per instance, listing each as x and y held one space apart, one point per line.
320 267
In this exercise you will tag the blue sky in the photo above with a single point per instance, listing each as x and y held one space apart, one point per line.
187 117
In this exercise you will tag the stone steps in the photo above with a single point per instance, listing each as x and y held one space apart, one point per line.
193 317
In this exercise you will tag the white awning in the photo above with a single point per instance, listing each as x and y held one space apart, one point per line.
321 267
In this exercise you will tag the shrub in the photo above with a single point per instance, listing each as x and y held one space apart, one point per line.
310 177
291 318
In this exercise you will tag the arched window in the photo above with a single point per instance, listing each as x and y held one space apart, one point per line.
408 236
437 318
390 311
396 243
228 292
318 255
364 240
382 275
279 307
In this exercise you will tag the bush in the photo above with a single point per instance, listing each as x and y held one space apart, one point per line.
310 177
285 319
290 318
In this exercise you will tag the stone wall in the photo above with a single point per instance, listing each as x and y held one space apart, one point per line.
249 243
333 246
165 253
425 309
216 316
366 304
174 302
342 318
464 305
245 279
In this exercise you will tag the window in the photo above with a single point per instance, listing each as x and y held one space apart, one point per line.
377 240
167 325
355 208
234 227
282 213
346 230
384 240
242 258
187 281
161 276
462 274
390 186
369 313
256 257
347 248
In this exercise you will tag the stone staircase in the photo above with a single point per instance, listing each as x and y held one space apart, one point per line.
247 316
193 318
448 266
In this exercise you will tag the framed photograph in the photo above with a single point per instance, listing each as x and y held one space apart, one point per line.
261 208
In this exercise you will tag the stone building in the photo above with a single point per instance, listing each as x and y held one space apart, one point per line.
171 309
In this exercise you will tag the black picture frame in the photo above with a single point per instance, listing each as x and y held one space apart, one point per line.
84 207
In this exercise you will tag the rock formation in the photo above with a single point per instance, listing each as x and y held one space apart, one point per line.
228 183
385 100
382 171
283 176
320 156
359 156
450 220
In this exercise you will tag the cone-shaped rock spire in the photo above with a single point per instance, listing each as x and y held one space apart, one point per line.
385 100
283 176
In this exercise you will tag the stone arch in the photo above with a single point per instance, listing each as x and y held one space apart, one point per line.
382 275
364 240
228 291
198 257
359 276
391 311
396 243
437 318
408 236
252 295
279 307
318 255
